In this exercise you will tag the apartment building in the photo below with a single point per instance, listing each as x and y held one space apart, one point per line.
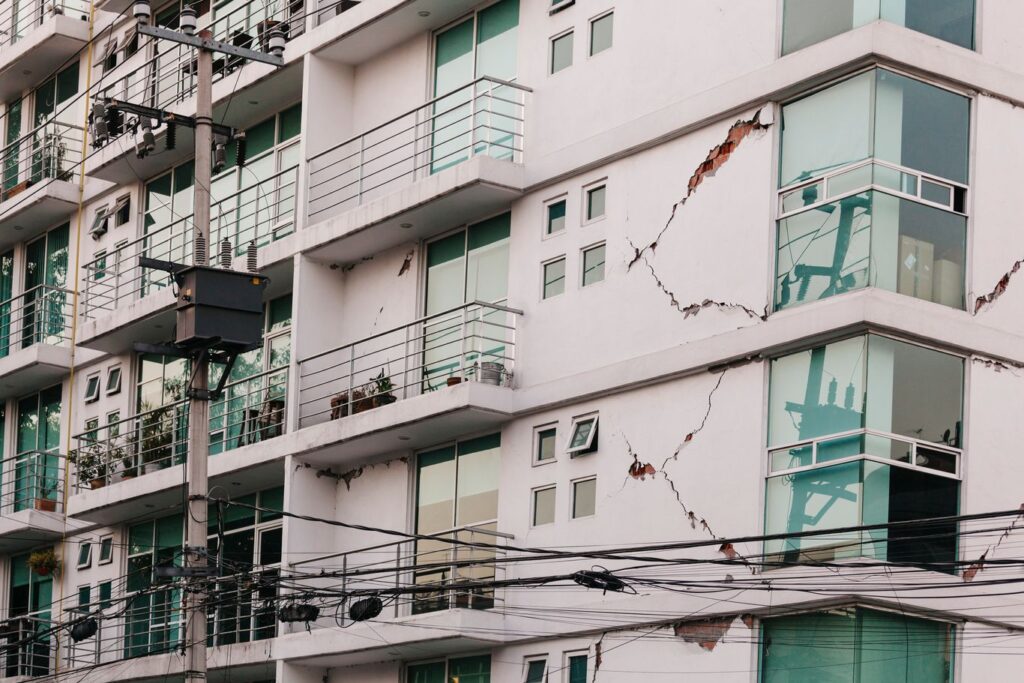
714 300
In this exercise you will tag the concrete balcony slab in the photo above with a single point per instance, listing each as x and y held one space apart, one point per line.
26 63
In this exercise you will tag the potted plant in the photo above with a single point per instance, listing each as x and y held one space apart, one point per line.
90 465
360 401
453 380
128 455
381 390
44 562
43 500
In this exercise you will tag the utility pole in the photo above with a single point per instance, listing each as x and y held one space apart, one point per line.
199 405
196 572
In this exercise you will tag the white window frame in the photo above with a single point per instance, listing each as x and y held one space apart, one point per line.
589 445
583 263
120 203
543 275
587 189
533 505
531 659
113 371
92 396
85 563
572 503
573 653
100 222
564 197
560 5
537 462
103 539
551 51
590 33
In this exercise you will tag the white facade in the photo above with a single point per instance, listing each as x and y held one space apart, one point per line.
753 262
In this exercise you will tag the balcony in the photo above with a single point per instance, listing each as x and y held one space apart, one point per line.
32 649
435 378
34 339
35 36
121 302
131 466
40 181
453 159
31 500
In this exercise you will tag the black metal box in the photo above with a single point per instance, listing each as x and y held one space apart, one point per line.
221 305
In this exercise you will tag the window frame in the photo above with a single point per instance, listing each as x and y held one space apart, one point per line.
544 276
531 659
583 263
537 431
574 483
533 505
559 5
92 387
591 443
546 218
84 560
586 218
590 32
571 654
117 373
121 203
567 33
106 542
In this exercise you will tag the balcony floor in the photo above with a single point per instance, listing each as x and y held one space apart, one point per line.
26 370
27 528
34 210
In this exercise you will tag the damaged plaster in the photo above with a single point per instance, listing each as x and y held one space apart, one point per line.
353 474
979 564
983 301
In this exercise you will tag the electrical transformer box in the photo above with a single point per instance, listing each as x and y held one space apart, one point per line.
219 308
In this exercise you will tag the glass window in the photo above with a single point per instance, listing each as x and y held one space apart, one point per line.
554 278
114 380
543 506
855 644
455 670
84 555
593 265
806 22
535 671
153 618
583 435
595 202
584 498
561 52
106 592
106 550
577 668
882 115
545 444
601 33
555 218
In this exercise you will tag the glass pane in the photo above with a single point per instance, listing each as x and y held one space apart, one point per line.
810 146
791 458
478 472
435 491
556 217
936 460
601 34
805 196
810 648
898 494
849 180
554 278
581 433
893 647
470 669
934 192
291 123
804 400
921 126
595 202
949 20
578 669
840 447
546 444
914 391
822 498
496 40
561 52
584 498
543 506
593 265
426 673
535 671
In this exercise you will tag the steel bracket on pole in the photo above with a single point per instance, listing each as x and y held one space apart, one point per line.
210 44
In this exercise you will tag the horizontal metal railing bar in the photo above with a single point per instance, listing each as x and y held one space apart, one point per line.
417 321
32 135
428 103
392 544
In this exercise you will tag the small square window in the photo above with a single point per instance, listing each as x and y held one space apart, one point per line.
84 555
114 380
561 52
556 217
106 592
106 550
601 34
544 441
99 265
543 506
576 667
593 265
583 435
99 223
554 278
92 388
536 670
131 43
595 202
84 597
122 210
584 497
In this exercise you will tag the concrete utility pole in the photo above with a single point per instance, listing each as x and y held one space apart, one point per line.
199 405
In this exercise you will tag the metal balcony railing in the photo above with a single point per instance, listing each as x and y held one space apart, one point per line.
50 152
261 213
328 9
33 480
18 18
472 342
485 117
170 76
42 315
250 411
442 575
31 649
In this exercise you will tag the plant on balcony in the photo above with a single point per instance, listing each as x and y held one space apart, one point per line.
156 438
380 389
90 464
128 454
340 403
44 562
